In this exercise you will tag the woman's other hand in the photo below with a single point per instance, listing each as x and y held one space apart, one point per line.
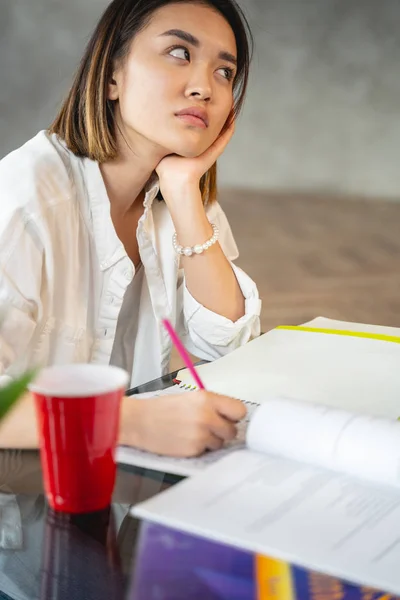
181 425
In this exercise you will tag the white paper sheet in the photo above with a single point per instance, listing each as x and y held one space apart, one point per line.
350 373
303 514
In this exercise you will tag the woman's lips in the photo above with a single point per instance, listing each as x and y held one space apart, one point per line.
192 120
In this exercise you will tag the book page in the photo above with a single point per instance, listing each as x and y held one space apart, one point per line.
296 512
361 445
355 374
327 323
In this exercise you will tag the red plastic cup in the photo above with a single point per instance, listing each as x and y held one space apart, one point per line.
78 410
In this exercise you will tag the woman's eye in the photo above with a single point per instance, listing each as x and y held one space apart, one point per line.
227 73
180 52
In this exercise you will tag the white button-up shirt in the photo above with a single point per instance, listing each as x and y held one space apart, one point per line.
64 271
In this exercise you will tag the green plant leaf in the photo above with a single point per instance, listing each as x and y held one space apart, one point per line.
11 392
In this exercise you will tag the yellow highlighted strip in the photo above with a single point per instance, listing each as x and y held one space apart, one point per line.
359 334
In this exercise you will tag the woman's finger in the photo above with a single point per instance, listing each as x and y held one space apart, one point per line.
224 429
213 442
216 149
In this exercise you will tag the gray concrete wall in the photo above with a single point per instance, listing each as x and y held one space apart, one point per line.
323 110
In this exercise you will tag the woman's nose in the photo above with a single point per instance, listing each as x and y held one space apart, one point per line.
199 86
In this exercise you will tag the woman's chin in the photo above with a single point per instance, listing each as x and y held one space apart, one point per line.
192 150
190 153
187 146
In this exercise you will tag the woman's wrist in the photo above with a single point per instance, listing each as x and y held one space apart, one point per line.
190 219
130 426
197 248
178 191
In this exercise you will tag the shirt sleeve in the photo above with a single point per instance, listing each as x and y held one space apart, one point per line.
20 282
207 334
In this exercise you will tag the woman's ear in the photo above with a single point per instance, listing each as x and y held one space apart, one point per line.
112 89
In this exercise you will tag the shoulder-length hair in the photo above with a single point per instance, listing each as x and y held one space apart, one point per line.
86 119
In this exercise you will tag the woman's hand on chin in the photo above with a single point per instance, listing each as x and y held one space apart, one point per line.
178 174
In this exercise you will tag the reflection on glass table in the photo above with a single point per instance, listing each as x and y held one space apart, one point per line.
110 555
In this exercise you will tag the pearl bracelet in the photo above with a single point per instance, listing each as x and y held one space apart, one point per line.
199 248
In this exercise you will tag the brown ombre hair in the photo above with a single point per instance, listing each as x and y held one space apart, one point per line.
86 119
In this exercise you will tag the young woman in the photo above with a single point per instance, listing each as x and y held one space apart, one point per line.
109 220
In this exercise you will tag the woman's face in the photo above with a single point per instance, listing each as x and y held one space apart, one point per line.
184 59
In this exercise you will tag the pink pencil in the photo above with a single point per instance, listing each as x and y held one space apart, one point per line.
182 351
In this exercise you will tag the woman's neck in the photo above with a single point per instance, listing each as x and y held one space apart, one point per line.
126 177
124 184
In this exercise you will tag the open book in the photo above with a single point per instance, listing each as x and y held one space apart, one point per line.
356 368
316 486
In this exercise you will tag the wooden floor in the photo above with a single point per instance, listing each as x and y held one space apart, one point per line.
313 256
318 256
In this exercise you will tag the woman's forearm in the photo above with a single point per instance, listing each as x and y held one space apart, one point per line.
175 425
19 428
209 276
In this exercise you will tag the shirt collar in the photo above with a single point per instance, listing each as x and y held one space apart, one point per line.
151 191
108 245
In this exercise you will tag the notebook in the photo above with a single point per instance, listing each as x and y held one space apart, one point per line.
316 486
343 365
342 371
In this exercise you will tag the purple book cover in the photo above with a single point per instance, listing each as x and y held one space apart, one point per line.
171 565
